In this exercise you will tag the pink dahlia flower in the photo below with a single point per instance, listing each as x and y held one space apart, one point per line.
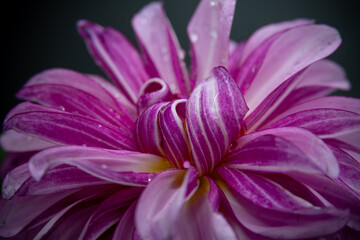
246 146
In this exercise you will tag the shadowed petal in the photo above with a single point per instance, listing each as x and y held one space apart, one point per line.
148 134
60 127
284 59
290 219
159 43
126 226
123 167
116 56
175 140
109 212
209 31
215 111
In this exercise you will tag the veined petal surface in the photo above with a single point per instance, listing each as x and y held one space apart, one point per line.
214 115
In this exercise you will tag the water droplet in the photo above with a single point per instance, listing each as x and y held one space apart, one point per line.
194 37
181 54
253 69
213 33
84 145
29 138
213 3
149 179
99 125
186 164
62 108
104 166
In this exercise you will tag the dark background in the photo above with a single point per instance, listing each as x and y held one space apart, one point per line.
37 35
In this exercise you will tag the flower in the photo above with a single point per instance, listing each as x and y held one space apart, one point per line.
248 146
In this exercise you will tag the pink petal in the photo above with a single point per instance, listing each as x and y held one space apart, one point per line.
159 42
122 167
56 126
209 31
283 59
261 191
12 141
215 111
76 101
201 219
13 160
159 207
148 134
153 91
116 56
175 140
327 124
315 151
95 86
59 179
264 33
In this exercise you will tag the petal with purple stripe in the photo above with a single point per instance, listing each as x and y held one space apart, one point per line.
122 167
175 140
283 59
116 56
209 31
215 111
159 43
148 134
275 154
60 127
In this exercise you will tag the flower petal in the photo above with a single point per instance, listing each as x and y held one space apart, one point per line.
148 134
12 141
76 101
126 226
215 111
283 59
64 128
93 85
175 140
13 221
109 212
153 91
327 124
288 220
209 31
123 167
160 204
158 41
317 156
116 56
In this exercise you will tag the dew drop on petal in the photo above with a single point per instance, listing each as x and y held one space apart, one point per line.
213 3
213 33
62 108
29 138
99 125
186 164
104 166
149 179
84 145
194 37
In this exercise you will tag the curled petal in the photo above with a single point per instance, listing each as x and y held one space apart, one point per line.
153 91
161 47
116 56
175 140
148 132
60 127
123 167
209 31
307 148
215 111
